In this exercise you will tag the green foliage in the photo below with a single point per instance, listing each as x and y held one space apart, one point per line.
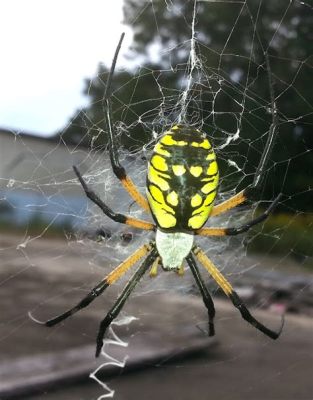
286 233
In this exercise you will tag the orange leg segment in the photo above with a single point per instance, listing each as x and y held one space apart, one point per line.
233 296
230 203
134 193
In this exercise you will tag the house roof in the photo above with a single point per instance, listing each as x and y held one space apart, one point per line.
56 138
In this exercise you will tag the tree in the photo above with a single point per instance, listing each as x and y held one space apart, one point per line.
230 77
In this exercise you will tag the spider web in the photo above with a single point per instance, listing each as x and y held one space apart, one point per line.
233 105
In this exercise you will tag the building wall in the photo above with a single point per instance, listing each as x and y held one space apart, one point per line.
39 162
37 179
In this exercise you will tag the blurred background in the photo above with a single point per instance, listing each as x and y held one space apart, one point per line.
217 66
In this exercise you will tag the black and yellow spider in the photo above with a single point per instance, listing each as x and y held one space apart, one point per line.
182 182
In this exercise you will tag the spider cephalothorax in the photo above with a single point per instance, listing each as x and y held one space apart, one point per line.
182 181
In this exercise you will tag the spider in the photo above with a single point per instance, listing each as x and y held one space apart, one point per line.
182 180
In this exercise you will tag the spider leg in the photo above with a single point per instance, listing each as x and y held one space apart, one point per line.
229 291
118 169
251 191
112 277
137 223
259 174
231 203
207 299
115 310
239 229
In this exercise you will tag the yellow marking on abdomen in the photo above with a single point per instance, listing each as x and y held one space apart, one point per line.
159 162
197 221
158 198
196 171
178 170
211 180
196 200
207 188
162 212
205 144
158 178
206 205
212 170
211 156
169 141
172 198
160 150
165 219
201 214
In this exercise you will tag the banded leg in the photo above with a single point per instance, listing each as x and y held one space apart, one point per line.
236 300
118 169
112 277
137 223
240 229
115 310
232 202
207 299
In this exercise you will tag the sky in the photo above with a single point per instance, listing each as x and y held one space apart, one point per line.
48 48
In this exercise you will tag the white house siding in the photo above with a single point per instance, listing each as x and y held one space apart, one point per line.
36 178
43 162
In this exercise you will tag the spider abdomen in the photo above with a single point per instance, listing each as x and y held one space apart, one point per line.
182 179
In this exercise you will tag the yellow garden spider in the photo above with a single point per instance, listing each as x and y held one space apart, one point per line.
182 182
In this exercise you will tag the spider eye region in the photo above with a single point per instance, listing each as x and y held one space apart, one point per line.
173 248
182 179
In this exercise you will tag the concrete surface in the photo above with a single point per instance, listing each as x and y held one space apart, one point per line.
47 277
244 366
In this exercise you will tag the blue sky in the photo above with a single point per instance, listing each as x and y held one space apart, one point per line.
47 49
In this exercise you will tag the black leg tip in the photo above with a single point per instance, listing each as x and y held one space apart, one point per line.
30 315
208 332
211 331
99 348
52 322
282 323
